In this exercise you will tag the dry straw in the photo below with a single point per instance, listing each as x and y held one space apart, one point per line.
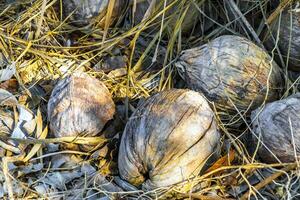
42 46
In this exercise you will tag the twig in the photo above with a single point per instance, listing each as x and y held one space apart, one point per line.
204 197
9 147
278 10
40 22
236 11
60 152
74 140
5 163
269 180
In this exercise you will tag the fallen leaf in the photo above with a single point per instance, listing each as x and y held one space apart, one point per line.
223 161
59 180
30 168
117 73
36 147
6 122
7 98
10 85
8 72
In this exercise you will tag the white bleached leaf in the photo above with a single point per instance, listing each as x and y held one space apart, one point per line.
65 161
59 160
11 166
26 120
17 189
1 191
25 126
52 147
24 114
58 180
29 126
8 72
18 133
86 168
31 168
7 99
41 189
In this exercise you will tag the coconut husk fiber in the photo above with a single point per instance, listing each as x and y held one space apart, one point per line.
167 140
276 130
79 105
287 28
233 73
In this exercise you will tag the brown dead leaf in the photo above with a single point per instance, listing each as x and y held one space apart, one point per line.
223 161
10 85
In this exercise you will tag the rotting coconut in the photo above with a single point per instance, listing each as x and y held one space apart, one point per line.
278 129
232 72
84 12
79 104
289 37
168 139
146 9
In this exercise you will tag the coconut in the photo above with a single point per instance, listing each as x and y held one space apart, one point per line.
168 139
79 104
84 12
232 72
289 37
146 9
277 127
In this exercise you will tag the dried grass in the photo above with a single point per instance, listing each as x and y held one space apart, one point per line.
35 38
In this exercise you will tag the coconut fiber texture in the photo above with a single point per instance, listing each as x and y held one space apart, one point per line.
278 128
289 37
167 139
79 104
84 12
232 72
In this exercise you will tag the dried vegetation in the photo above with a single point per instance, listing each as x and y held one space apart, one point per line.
134 59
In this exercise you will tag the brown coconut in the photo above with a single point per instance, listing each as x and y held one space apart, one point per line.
84 12
167 139
147 9
289 37
79 105
232 72
277 130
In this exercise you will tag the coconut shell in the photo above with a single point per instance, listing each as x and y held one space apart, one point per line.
167 139
289 38
232 70
192 17
79 104
84 12
275 125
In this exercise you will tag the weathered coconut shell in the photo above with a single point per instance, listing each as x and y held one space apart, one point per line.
192 17
167 139
83 12
289 34
232 68
274 126
79 104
